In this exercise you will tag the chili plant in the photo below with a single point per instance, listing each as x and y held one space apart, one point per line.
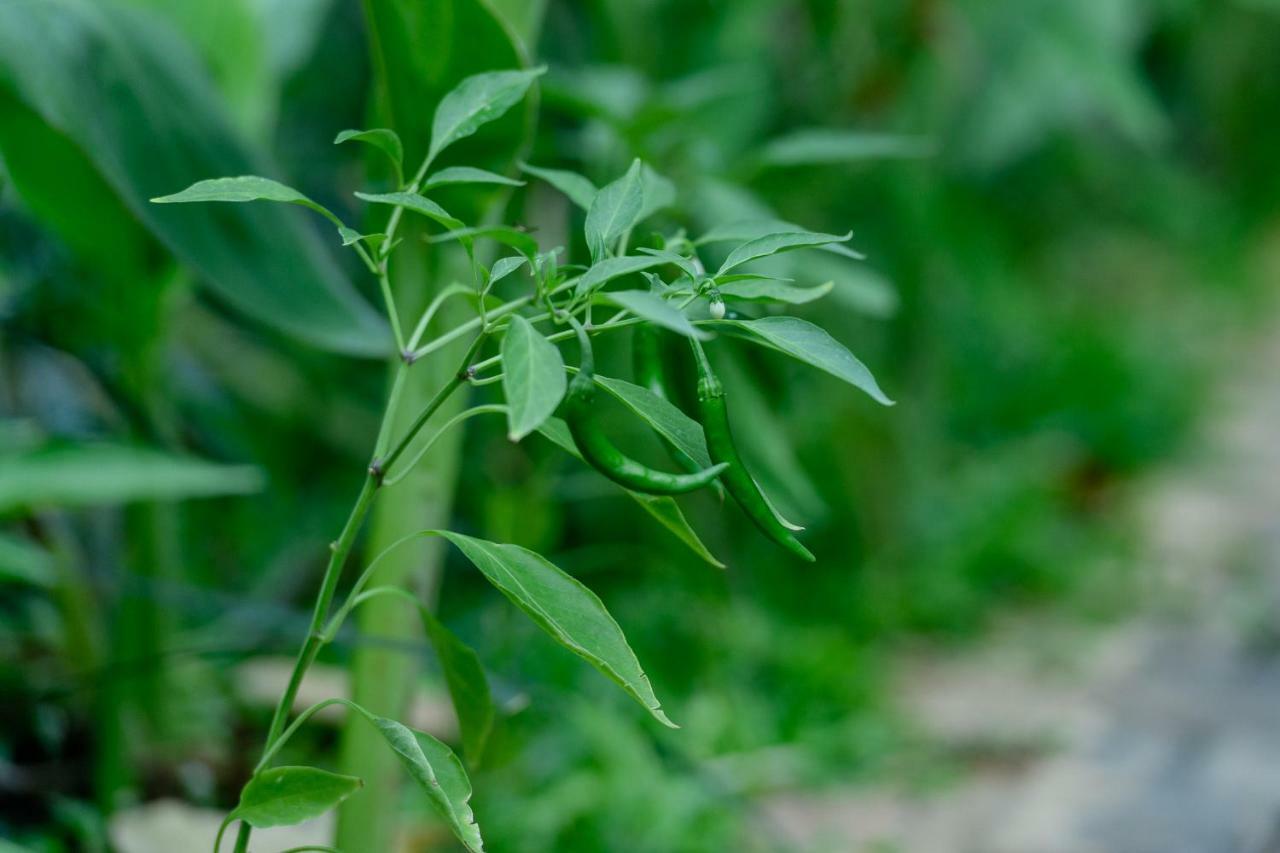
556 303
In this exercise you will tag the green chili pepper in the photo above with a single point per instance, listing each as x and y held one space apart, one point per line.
737 479
602 455
650 372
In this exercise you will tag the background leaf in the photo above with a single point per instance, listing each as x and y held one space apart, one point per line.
97 474
142 111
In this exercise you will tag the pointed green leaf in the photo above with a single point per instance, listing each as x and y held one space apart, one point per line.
101 474
580 190
685 264
752 289
468 687
615 209
475 101
607 270
468 175
572 614
533 378
283 796
504 267
772 244
416 203
656 310
811 344
387 141
664 509
684 433
667 512
439 773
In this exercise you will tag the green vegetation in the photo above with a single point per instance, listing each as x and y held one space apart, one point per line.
1065 211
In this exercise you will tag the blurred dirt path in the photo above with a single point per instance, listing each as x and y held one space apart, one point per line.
1160 735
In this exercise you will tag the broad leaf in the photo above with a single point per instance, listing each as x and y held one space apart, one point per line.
825 146
615 209
101 474
533 378
565 609
468 687
418 204
772 244
580 190
468 175
283 796
667 420
771 290
811 344
141 108
440 775
385 140
656 310
664 509
607 270
475 101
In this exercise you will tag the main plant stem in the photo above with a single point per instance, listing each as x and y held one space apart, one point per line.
340 551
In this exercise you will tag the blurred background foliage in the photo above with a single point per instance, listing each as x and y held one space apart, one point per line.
1066 209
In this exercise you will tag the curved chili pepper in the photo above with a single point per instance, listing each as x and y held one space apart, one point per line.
601 453
737 480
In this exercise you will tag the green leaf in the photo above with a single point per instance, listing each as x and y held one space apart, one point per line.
667 512
468 687
751 229
580 190
752 289
658 193
138 104
468 175
385 140
666 419
283 796
607 270
772 244
504 267
100 474
533 378
519 240
565 609
475 101
615 209
241 189
438 772
826 146
685 264
656 310
418 204
662 508
811 344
